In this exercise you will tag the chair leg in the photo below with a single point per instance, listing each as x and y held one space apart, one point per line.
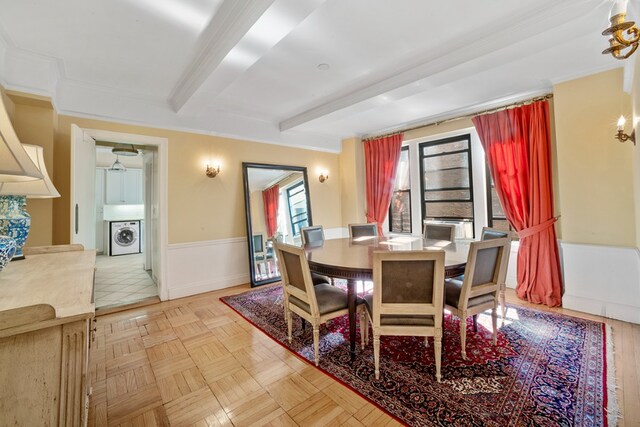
303 323
366 328
437 344
494 321
316 343
475 323
376 352
426 342
289 324
503 305
463 336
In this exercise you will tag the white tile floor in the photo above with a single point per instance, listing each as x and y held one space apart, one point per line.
122 280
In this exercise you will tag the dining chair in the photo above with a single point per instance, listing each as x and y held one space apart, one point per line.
314 235
363 230
440 232
407 299
259 253
494 233
316 304
478 290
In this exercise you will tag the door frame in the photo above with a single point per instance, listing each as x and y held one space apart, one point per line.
163 168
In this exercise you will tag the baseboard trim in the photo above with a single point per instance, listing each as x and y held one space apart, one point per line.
194 288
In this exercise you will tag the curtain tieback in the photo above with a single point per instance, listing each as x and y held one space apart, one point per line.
537 228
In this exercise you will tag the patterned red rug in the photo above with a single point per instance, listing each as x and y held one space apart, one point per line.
547 369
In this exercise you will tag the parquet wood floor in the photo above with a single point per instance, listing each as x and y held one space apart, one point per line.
194 361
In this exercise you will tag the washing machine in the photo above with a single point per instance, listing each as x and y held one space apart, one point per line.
125 237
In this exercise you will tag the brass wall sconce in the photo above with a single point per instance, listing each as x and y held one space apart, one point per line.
621 136
617 42
212 172
324 175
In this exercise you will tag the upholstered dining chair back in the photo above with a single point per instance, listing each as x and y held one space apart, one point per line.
478 290
408 298
313 234
258 243
440 232
363 230
296 277
494 233
314 304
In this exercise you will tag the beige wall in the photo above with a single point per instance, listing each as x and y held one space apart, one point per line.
32 118
202 208
595 171
353 201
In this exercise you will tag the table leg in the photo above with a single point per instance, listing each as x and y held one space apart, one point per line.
351 298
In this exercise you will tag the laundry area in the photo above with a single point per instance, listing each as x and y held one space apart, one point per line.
124 267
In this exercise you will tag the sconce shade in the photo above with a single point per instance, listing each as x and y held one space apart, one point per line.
15 164
35 189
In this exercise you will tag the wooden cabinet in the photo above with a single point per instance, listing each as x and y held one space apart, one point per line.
124 188
46 313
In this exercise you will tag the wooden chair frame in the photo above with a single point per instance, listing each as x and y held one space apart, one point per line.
308 296
468 291
310 228
503 286
435 308
373 226
451 227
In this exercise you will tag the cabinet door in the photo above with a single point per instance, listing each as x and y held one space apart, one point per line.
132 185
113 193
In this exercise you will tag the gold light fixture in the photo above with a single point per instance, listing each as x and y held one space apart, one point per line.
324 175
213 171
621 136
617 42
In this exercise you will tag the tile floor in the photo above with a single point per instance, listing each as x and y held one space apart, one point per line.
122 279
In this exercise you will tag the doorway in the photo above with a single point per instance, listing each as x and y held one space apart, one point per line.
123 193
124 222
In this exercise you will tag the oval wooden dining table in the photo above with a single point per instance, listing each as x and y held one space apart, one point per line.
352 259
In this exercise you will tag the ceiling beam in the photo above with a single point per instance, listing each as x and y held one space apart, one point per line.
529 24
230 23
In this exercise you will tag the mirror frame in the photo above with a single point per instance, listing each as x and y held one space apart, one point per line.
247 208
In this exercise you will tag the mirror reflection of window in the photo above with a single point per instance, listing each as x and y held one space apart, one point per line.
297 199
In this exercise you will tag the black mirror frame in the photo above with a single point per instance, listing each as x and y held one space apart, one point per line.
247 207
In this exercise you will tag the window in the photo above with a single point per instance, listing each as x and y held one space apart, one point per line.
297 198
447 189
400 207
495 214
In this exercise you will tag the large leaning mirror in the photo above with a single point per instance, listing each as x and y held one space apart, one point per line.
277 206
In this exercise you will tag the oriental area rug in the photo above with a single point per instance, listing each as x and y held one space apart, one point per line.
546 370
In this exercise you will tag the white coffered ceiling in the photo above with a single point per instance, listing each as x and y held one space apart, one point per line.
249 68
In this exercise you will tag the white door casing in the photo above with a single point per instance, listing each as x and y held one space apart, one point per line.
83 188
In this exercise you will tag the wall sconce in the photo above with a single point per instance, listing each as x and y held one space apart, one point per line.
212 172
621 136
617 42
324 175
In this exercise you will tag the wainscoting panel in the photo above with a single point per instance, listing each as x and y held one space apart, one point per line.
602 280
198 267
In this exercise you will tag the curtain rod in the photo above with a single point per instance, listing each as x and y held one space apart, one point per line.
466 116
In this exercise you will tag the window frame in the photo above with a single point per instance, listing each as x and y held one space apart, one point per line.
462 137
393 193
293 223
489 197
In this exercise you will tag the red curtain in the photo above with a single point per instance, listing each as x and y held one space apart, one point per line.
517 145
270 199
381 161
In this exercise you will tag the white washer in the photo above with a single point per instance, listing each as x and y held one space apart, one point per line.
125 237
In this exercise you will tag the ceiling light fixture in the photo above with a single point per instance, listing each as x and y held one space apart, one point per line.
617 42
117 166
125 150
